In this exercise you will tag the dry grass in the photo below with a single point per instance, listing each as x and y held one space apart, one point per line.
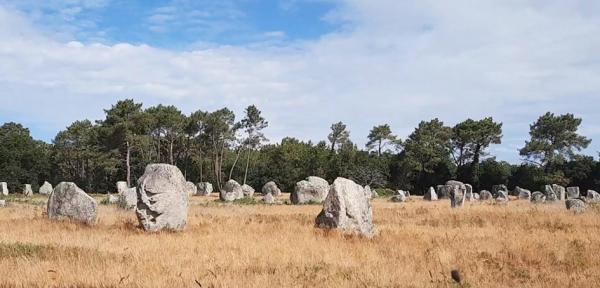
418 244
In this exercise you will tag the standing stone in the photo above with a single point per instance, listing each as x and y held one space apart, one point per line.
122 187
559 191
592 196
128 199
374 193
191 188
112 199
485 195
469 193
271 188
538 197
2 203
523 194
430 195
162 198
69 201
231 191
347 208
572 192
497 188
204 189
247 190
269 198
443 191
46 188
575 205
27 191
549 193
399 196
4 188
368 192
475 196
502 196
313 189
457 193
551 197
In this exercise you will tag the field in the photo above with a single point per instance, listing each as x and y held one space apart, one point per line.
417 245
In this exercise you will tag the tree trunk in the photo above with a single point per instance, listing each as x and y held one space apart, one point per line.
237 156
247 164
127 163
171 151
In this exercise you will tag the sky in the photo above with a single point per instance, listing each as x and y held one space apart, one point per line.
306 63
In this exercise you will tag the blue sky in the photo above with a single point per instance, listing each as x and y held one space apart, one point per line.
306 63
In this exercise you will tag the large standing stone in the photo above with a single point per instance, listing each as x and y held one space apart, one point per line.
69 201
502 196
128 199
191 188
430 195
399 196
469 192
46 188
523 194
538 197
247 190
457 193
162 198
575 205
122 187
592 196
204 189
27 191
347 208
313 189
497 188
4 188
231 190
572 192
271 188
485 195
559 191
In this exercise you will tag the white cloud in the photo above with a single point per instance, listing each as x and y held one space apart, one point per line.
394 62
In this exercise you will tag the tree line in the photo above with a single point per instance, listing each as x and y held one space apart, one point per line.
215 147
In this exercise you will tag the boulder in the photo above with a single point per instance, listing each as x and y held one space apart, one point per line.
575 205
476 196
269 198
271 188
559 191
502 196
538 197
498 188
313 189
191 188
485 195
27 191
46 188
122 187
469 193
399 196
442 192
247 190
523 194
430 195
572 192
374 193
2 203
457 193
593 196
204 189
3 188
551 197
233 188
69 201
347 208
162 198
128 199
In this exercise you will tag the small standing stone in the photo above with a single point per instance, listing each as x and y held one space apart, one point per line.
271 188
430 195
313 189
572 192
457 193
4 188
593 196
399 196
538 197
231 190
191 188
523 194
269 199
69 201
248 190
497 188
46 188
469 193
559 191
502 196
112 199
2 203
204 189
122 187
575 205
128 199
485 195
27 191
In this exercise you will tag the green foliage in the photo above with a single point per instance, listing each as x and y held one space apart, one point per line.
339 136
385 192
380 137
494 172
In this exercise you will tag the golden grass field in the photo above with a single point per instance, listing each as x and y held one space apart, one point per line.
417 245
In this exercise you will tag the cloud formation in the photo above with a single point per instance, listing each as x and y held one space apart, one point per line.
396 62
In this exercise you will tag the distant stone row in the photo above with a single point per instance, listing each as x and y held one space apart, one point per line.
46 189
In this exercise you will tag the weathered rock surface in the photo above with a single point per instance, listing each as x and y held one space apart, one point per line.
593 196
122 187
430 195
572 192
559 191
271 188
162 198
476 196
457 193
269 198
497 188
442 192
27 191
523 194
248 190
347 208
469 193
538 197
204 189
231 190
502 196
3 188
69 201
575 205
399 196
549 193
313 189
368 192
112 199
485 195
2 203
46 188
128 199
191 188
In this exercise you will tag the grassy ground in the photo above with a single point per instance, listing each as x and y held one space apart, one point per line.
418 244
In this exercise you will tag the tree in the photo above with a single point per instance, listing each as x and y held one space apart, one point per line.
166 122
379 137
219 130
253 125
470 138
427 147
338 136
554 139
